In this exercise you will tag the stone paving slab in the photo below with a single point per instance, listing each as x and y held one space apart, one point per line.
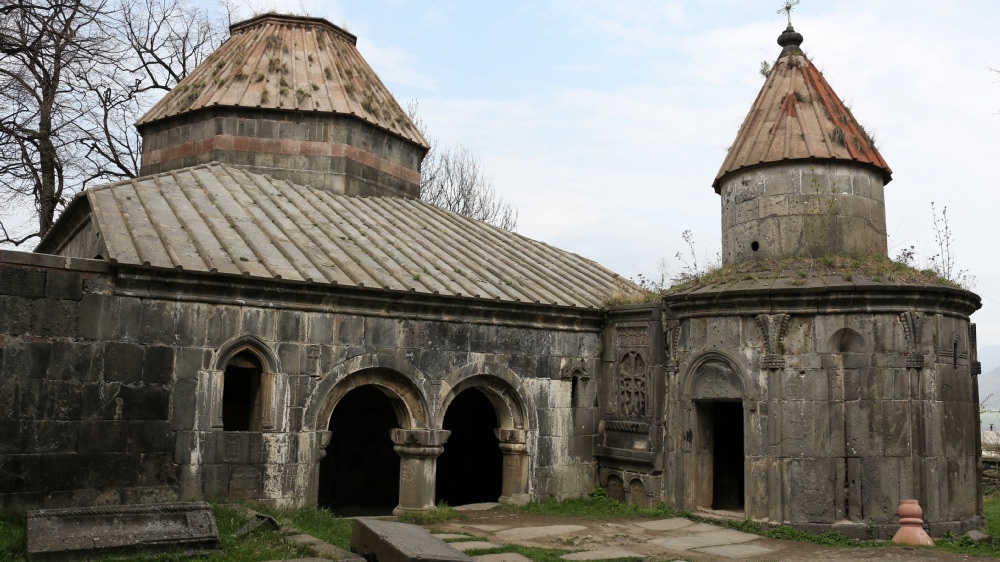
451 536
665 524
701 528
488 528
485 506
707 538
603 554
502 557
736 551
531 533
473 545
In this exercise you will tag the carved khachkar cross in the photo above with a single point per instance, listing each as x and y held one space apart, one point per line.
787 9
632 386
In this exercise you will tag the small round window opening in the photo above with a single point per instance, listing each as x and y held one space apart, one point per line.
754 246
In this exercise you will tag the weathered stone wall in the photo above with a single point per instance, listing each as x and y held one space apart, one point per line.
84 414
790 210
339 153
845 411
112 379
629 445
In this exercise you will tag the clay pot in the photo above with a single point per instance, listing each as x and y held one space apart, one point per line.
911 526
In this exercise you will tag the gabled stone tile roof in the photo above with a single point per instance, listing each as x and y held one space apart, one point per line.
288 63
222 219
797 115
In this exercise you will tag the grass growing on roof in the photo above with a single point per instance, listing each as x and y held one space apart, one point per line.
848 268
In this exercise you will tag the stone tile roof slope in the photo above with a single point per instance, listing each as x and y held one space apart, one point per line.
288 63
218 218
797 115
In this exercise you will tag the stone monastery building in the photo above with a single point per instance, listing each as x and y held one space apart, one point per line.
270 313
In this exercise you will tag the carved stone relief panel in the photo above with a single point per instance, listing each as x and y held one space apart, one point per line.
773 326
716 380
913 324
633 336
632 386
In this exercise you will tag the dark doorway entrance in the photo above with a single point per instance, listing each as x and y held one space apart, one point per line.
471 468
727 455
360 473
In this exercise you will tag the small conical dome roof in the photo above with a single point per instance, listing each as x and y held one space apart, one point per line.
797 116
288 63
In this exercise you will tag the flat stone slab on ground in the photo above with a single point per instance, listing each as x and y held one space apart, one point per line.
390 541
89 531
701 528
531 533
665 524
603 554
485 506
502 557
452 536
708 538
473 545
488 528
736 551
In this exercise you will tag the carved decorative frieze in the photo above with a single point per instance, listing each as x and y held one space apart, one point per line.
626 426
773 326
913 325
633 336
632 386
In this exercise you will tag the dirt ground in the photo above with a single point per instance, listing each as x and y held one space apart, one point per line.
622 533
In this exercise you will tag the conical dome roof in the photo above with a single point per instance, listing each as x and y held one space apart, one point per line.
797 116
288 63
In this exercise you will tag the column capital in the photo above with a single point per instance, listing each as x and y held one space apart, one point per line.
511 435
419 437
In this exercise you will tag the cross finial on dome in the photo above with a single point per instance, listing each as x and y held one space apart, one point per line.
789 6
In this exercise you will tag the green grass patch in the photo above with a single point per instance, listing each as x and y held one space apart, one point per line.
964 545
11 536
846 267
319 523
532 552
439 514
597 506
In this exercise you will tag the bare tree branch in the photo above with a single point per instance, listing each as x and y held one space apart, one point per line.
453 179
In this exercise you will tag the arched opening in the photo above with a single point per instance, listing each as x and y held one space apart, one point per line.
470 470
360 473
241 389
615 488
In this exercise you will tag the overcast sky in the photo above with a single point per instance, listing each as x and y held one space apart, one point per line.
606 122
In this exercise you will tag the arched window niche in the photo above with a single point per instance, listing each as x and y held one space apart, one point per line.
244 386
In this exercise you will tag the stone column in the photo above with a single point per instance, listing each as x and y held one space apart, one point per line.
513 445
418 450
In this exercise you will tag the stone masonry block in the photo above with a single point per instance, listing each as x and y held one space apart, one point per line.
103 436
123 362
63 285
21 282
158 365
